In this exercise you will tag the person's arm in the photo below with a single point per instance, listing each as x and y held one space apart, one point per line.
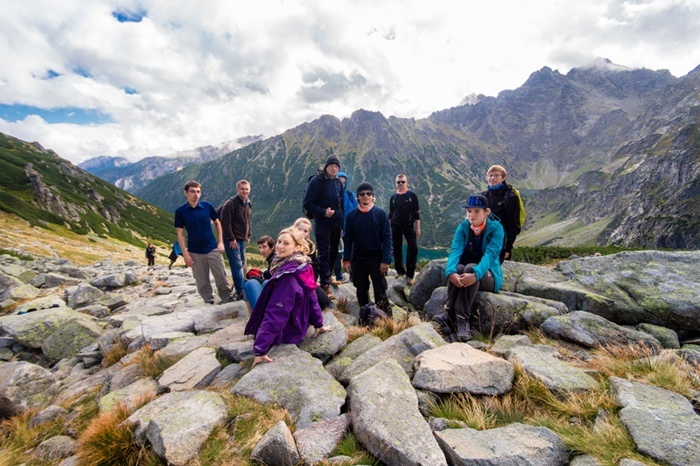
311 199
183 247
219 235
459 240
386 242
226 214
416 215
348 240
494 243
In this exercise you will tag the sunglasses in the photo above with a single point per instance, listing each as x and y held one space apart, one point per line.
400 182
365 193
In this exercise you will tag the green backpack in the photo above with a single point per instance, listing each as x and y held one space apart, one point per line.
522 206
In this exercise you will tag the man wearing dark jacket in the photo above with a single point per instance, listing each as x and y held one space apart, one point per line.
324 200
368 248
404 216
237 227
504 203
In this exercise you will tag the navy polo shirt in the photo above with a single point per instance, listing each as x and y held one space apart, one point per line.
197 221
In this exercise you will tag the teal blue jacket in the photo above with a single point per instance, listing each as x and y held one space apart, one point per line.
492 243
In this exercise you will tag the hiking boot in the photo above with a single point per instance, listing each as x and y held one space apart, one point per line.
443 319
409 281
327 289
464 333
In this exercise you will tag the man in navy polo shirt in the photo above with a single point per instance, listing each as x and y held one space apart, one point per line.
203 251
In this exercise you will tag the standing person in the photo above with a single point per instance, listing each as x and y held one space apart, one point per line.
350 202
472 265
324 200
287 304
151 254
304 226
368 248
237 227
505 204
202 251
404 215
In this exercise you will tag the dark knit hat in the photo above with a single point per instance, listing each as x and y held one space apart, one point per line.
364 187
332 159
477 201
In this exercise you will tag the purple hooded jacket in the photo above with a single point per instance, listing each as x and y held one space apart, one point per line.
286 307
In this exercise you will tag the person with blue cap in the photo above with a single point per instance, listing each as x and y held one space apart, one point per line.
473 265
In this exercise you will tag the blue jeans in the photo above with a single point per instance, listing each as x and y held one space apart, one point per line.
251 292
236 259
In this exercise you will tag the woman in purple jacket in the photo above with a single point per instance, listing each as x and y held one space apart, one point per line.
288 302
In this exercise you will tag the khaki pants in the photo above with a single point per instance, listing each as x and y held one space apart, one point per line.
203 263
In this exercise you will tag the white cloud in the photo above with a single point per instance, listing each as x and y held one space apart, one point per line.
214 70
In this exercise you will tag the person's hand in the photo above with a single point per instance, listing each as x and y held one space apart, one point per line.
247 241
468 279
324 329
418 232
261 359
347 267
233 244
383 268
188 260
329 212
221 247
506 255
455 279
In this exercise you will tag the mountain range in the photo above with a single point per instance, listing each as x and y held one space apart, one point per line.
132 176
603 155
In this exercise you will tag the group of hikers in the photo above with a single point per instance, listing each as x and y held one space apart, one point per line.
298 283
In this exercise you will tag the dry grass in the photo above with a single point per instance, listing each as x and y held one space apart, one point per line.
383 328
106 442
248 421
115 354
665 370
18 438
153 365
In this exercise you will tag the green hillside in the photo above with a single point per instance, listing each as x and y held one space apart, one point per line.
42 188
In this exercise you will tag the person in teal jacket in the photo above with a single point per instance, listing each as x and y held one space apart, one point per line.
473 264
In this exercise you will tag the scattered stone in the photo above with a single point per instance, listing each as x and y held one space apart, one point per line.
505 343
350 353
131 396
296 381
55 448
24 291
46 302
82 295
662 423
228 375
326 345
25 386
321 439
512 445
511 313
196 370
116 280
69 339
237 351
430 277
48 414
667 337
433 307
386 420
276 447
558 376
459 368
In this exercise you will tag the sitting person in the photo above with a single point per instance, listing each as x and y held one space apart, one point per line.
304 226
473 265
256 281
288 303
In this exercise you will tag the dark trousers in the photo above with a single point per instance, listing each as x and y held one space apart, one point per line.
327 241
460 300
151 260
362 271
398 232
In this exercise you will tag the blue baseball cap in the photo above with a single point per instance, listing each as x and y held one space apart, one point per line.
477 201
342 175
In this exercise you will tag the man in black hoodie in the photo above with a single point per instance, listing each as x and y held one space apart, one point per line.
324 200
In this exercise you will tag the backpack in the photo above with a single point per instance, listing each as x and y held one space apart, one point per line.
369 313
521 220
221 207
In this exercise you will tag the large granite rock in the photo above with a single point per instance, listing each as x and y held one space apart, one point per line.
506 312
458 368
25 386
69 339
430 277
318 441
296 381
177 424
33 328
351 352
403 348
328 344
558 376
512 445
386 420
276 447
662 423
196 370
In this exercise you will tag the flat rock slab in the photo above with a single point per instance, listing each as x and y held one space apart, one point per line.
326 345
511 313
386 420
662 423
592 331
513 445
350 353
130 396
296 381
178 423
558 376
69 339
459 368
403 348
196 370
33 328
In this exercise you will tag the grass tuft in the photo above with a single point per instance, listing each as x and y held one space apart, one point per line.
18 438
153 365
349 446
383 328
115 354
106 442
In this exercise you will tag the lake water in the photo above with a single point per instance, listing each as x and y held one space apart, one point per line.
429 254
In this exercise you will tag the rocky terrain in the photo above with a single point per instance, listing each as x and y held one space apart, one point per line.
61 322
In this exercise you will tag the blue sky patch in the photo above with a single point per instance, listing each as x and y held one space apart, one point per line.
73 115
129 16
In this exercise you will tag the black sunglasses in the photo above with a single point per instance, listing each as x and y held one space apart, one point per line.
400 182
365 193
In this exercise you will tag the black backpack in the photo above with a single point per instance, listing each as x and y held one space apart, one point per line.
369 313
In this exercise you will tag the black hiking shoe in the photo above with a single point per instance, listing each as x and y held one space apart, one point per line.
464 333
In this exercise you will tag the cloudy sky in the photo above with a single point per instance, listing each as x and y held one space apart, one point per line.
150 77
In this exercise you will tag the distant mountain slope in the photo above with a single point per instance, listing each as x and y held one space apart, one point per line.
604 155
132 176
40 187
